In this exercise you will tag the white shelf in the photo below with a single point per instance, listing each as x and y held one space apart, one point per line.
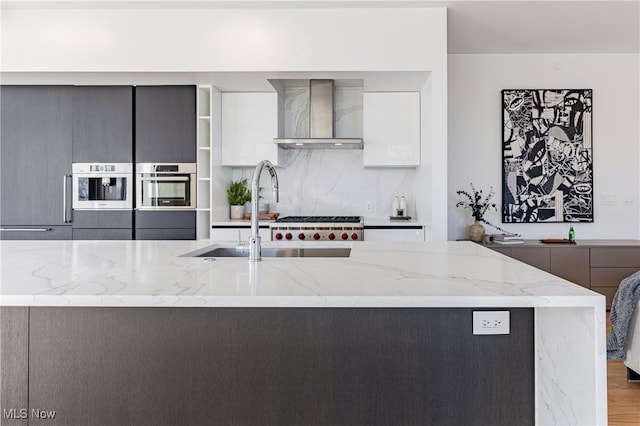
204 134
203 227
204 101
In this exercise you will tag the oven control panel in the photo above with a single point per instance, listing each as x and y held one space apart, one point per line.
301 234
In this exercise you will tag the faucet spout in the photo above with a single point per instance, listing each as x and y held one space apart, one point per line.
254 239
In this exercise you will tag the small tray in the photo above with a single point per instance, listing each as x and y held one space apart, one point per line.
399 217
263 216
557 241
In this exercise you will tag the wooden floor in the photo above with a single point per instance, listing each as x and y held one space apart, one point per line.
623 397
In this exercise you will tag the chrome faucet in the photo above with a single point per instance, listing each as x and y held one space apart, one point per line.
254 239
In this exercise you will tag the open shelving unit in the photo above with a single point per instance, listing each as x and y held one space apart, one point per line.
203 223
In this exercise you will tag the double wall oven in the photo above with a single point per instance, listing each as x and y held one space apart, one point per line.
165 186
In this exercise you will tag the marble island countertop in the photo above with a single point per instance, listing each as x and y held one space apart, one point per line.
153 273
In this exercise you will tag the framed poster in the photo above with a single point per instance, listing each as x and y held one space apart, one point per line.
547 157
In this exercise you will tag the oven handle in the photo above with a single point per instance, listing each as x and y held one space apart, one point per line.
162 178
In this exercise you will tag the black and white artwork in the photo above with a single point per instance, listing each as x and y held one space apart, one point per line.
547 156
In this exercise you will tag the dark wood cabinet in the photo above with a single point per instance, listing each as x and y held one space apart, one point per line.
103 225
278 366
609 266
103 124
35 156
165 225
572 264
534 256
165 124
14 365
46 128
599 265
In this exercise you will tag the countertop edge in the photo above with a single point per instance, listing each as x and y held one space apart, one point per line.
595 300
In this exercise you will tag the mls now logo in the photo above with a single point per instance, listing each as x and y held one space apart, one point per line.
23 413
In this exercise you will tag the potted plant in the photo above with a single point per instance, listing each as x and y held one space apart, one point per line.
479 206
238 193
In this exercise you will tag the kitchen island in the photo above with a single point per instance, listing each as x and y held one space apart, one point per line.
380 337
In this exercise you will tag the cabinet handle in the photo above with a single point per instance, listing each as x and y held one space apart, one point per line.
166 179
65 218
25 229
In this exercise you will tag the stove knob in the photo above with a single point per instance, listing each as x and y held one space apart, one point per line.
331 236
344 236
278 236
316 236
301 236
354 236
288 236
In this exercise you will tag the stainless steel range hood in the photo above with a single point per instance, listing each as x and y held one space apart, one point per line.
321 122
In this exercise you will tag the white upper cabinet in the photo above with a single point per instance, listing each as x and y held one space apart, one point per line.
249 123
391 129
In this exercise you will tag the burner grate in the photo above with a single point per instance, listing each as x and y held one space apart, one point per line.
319 219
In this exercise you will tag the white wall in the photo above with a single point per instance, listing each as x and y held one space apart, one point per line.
475 155
212 39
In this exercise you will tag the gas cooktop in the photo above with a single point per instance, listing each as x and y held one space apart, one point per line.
318 228
319 219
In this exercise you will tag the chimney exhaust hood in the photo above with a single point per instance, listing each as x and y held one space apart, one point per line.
321 122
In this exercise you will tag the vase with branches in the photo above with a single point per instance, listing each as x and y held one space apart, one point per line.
479 203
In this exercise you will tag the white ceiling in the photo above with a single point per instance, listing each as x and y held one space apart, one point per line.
474 26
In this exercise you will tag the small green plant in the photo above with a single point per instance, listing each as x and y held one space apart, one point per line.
238 192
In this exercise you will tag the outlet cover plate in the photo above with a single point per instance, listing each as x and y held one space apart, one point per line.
491 322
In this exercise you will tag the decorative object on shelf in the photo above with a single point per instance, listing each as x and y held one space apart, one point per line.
476 231
399 208
479 206
263 216
557 241
238 194
547 156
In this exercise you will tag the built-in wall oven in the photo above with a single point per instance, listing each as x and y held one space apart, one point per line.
165 186
98 186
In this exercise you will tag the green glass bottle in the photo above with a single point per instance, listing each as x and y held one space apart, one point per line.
572 234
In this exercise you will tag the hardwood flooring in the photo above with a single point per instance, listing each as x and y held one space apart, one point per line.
623 397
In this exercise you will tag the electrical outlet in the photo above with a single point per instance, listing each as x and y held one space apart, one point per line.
491 322
369 206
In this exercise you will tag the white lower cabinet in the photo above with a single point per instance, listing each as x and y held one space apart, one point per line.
391 129
412 233
249 122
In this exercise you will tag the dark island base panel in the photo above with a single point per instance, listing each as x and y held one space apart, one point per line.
277 366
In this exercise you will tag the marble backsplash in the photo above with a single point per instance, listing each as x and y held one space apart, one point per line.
334 182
